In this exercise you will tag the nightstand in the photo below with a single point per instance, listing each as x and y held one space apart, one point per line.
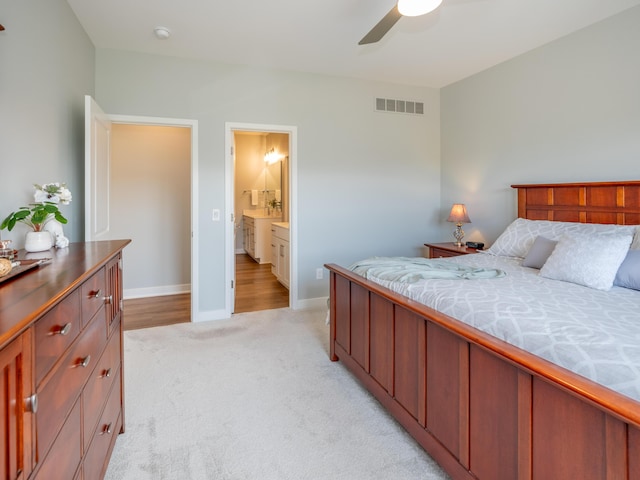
447 249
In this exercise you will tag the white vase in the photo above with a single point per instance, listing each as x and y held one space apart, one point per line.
38 241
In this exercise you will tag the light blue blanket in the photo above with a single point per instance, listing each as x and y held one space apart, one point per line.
411 270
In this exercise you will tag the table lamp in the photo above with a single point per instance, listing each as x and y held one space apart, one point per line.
458 216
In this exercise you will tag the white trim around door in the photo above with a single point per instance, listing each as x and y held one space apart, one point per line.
193 125
230 127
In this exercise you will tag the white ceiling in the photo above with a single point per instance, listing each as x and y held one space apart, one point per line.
459 39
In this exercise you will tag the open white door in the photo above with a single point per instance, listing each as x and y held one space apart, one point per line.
233 223
97 156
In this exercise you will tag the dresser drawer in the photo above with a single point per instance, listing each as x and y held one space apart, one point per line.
93 294
105 434
64 458
99 385
55 332
60 390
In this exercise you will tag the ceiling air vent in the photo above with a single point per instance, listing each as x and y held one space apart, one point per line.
399 106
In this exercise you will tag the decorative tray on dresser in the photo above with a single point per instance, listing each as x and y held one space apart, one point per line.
62 403
22 267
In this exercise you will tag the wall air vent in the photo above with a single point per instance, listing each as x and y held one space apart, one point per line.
399 106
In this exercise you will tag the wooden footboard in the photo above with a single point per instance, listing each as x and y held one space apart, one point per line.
480 407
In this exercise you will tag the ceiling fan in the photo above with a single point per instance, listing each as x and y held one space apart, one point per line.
409 8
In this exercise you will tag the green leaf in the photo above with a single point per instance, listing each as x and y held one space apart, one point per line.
60 218
39 216
50 207
5 222
21 215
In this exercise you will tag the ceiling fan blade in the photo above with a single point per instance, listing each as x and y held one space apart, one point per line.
382 27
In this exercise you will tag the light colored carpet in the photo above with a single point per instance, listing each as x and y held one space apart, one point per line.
254 398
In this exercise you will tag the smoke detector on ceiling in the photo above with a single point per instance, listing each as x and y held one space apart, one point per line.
162 33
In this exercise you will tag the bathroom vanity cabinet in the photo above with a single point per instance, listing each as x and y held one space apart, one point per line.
257 235
280 252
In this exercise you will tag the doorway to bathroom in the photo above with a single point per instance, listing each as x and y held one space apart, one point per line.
262 206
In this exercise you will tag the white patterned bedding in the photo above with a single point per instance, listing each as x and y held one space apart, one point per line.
591 332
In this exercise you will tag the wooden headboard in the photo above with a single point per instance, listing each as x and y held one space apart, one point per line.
596 202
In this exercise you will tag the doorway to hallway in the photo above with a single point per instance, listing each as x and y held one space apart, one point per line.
136 160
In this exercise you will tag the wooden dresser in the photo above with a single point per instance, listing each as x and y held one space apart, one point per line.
61 378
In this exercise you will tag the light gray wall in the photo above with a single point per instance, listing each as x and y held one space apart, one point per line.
367 182
567 111
150 203
46 68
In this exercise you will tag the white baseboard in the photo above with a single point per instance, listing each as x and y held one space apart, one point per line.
210 315
311 303
156 291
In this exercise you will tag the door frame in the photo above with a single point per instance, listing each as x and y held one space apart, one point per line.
292 131
193 126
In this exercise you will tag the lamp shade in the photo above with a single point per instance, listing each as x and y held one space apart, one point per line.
413 8
458 214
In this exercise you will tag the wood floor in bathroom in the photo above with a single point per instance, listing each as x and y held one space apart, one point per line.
256 289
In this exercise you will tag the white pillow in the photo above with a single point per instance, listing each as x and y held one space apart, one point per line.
592 260
519 236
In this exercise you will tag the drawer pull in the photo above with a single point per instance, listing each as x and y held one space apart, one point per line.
95 294
85 361
32 403
65 329
106 429
107 373
108 299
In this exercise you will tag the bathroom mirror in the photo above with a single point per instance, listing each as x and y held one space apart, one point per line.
273 185
273 176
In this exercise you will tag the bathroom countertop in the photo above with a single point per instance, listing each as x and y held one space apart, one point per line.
261 213
281 224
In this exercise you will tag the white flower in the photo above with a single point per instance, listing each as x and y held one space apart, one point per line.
52 192
39 196
65 196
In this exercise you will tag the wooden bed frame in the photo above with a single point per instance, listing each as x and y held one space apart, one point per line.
482 408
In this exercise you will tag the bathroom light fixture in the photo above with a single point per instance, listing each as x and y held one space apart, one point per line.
272 156
458 216
413 8
162 33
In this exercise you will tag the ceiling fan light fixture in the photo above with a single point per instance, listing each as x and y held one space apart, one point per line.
414 8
